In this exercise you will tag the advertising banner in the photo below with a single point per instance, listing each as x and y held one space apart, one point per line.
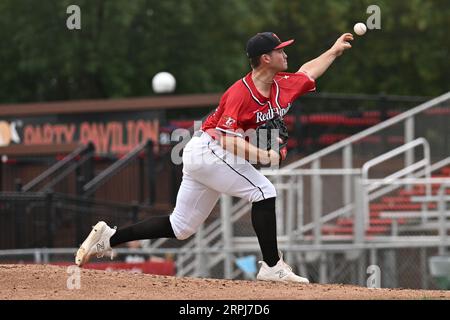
111 133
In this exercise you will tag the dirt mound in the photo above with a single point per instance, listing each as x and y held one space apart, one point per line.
51 282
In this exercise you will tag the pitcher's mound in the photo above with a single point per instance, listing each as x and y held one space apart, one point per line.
52 282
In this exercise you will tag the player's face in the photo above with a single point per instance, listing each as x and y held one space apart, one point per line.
279 60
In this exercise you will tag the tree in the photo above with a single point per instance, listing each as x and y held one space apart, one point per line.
122 44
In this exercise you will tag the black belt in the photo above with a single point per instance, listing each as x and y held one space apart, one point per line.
198 133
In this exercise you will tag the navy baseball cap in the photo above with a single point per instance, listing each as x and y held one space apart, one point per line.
265 42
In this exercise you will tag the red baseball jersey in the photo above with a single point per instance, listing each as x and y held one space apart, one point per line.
242 107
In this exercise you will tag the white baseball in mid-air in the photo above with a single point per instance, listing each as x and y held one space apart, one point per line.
163 82
360 28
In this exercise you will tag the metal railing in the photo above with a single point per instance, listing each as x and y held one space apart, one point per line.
293 202
441 227
47 219
369 193
347 146
86 152
91 186
443 223
403 117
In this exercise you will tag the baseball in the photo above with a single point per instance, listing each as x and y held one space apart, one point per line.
163 82
360 28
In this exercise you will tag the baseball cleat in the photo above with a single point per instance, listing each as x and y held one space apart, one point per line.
97 243
280 272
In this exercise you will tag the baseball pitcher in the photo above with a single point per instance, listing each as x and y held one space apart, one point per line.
218 158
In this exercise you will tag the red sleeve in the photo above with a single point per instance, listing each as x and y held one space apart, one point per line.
231 105
296 84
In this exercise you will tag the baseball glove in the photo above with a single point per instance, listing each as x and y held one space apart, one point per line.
267 142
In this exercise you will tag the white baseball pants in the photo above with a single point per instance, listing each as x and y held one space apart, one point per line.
208 171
